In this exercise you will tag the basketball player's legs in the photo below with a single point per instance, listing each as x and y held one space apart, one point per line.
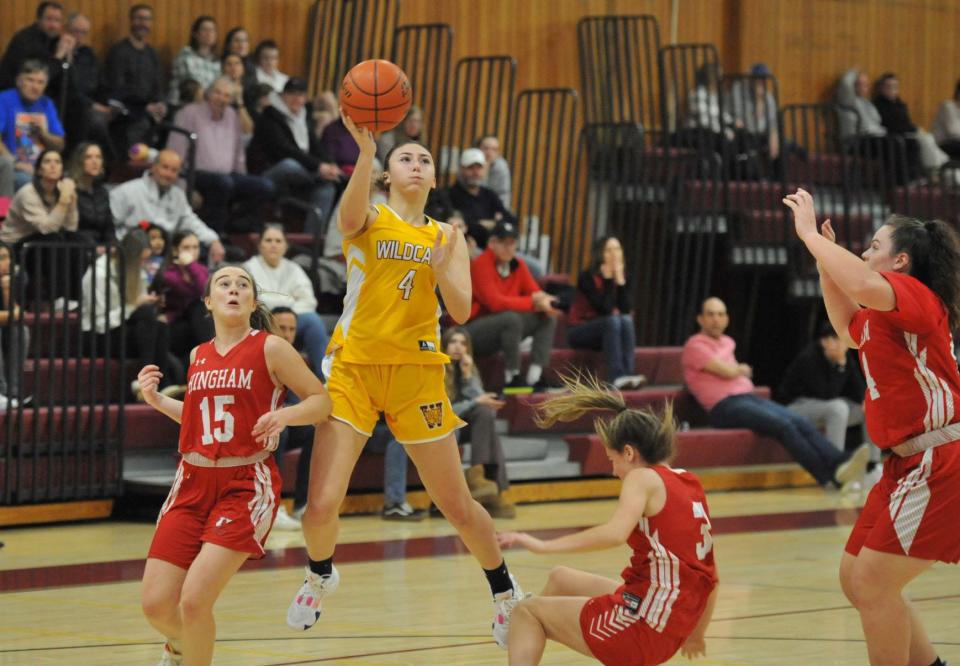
439 466
330 472
539 618
204 582
160 596
568 582
873 582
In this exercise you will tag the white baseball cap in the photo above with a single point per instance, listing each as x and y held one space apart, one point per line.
472 156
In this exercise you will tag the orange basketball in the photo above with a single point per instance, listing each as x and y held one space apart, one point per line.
376 95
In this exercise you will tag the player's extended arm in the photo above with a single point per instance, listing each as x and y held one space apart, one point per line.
149 380
452 269
635 493
355 210
695 645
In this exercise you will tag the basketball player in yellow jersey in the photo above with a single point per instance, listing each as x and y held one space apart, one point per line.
385 356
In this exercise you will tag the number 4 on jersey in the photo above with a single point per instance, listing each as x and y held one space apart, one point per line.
406 284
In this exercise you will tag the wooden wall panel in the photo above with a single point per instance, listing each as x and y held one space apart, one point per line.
807 44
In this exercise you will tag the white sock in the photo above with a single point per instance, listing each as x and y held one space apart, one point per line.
510 374
534 372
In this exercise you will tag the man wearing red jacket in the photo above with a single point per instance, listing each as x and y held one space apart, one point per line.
509 305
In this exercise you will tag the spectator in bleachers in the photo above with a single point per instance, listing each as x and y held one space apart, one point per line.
723 387
13 347
286 150
180 283
708 125
340 148
237 42
896 119
86 119
29 122
481 206
156 198
825 385
190 92
93 200
43 40
509 305
600 317
293 437
45 208
198 60
326 109
267 59
333 239
457 222
487 474
853 91
283 282
147 337
498 171
159 241
411 129
258 97
132 83
946 126
753 107
233 72
221 164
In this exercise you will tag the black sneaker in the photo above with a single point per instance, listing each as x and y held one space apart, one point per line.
517 386
402 511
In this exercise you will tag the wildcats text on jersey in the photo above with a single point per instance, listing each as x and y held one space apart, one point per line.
403 251
220 379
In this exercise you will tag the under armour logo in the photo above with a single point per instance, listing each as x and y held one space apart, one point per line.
223 520
200 361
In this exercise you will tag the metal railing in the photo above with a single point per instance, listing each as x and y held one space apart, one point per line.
63 429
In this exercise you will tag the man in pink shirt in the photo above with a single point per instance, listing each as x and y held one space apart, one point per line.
724 388
221 163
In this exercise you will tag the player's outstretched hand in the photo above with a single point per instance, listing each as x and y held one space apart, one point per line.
149 379
826 230
268 427
694 646
804 216
442 252
364 137
522 539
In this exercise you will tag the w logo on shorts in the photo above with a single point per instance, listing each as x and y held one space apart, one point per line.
432 414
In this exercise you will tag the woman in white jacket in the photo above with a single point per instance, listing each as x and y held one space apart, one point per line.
284 283
113 289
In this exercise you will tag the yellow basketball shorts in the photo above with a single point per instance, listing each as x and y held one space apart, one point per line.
412 397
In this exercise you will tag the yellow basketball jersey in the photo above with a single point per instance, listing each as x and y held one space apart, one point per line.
390 313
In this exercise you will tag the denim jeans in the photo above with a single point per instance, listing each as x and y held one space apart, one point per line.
312 336
797 434
219 190
291 177
614 335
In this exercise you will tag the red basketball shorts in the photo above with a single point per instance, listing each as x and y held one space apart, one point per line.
913 509
233 507
617 637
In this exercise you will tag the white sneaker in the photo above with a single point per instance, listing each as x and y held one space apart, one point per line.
170 658
305 609
854 467
503 605
629 382
872 477
4 403
284 521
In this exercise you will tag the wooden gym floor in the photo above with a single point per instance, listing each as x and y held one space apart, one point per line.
410 594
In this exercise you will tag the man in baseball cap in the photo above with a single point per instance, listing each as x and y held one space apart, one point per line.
481 207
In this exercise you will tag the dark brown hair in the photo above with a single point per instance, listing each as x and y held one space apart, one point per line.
652 435
934 251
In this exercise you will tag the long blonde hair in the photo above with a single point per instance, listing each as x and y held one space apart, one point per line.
131 248
651 434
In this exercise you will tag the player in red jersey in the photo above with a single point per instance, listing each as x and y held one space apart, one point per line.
224 497
898 306
666 599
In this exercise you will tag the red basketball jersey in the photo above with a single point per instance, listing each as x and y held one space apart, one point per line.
671 571
907 358
226 395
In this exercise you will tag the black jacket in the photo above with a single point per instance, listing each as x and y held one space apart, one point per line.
273 141
31 42
96 220
812 375
475 207
894 115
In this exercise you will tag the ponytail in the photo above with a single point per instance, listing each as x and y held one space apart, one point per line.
262 319
934 251
652 435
